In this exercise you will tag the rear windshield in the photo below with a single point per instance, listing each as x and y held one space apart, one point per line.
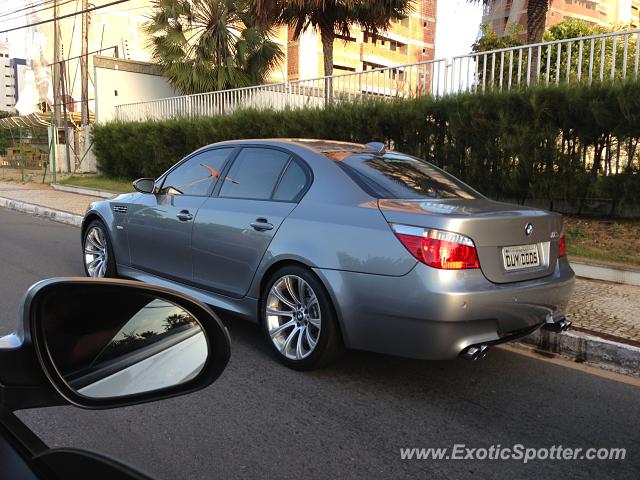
396 175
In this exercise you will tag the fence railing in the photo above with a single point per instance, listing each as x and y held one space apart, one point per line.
609 57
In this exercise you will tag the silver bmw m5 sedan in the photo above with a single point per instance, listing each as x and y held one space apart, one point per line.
329 245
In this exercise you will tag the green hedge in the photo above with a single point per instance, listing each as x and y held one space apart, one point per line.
551 145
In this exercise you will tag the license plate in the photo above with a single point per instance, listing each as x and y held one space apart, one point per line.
520 257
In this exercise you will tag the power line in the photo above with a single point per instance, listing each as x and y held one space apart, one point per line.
86 10
47 5
26 6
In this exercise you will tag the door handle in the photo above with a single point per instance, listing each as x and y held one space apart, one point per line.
261 224
184 216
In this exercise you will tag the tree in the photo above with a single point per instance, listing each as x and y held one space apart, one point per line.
536 18
331 16
206 45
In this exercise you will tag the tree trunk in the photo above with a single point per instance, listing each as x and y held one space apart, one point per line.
536 24
327 35
536 20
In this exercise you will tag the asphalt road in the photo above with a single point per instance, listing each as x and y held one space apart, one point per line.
261 420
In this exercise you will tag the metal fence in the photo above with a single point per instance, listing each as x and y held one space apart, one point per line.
611 57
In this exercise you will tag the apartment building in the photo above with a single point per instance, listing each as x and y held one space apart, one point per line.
607 13
409 40
7 81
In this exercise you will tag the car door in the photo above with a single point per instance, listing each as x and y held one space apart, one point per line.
159 225
234 227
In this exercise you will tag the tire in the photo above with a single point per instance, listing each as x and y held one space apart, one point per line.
96 247
312 339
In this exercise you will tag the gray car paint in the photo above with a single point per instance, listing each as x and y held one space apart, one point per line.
385 300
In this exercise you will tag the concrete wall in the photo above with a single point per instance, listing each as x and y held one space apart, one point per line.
119 81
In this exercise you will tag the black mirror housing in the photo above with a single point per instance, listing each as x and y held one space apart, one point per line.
41 372
145 185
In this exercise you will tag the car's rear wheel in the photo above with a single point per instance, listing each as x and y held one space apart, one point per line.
299 319
99 261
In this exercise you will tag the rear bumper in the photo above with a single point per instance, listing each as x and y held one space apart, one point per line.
435 314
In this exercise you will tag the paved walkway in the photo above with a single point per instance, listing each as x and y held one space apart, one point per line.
608 308
604 307
45 196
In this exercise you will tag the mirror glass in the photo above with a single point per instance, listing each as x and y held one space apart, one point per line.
109 345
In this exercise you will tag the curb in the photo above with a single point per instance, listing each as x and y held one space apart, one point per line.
598 272
84 191
40 211
587 348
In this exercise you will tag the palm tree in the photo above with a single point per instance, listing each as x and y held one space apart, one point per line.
206 45
331 16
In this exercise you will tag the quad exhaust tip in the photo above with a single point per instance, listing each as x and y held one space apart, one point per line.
475 352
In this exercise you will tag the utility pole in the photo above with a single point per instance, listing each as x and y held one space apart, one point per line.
56 63
84 61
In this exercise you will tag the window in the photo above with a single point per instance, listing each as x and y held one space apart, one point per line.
254 173
395 175
292 183
195 176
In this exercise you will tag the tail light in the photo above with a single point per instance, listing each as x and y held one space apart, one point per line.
438 248
562 247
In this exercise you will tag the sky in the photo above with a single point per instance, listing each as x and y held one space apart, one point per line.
457 27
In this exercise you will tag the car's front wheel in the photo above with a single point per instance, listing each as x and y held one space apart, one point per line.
299 320
99 261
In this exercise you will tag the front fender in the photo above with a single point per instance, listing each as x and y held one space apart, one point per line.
115 224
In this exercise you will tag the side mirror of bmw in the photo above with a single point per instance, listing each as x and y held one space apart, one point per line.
100 344
145 185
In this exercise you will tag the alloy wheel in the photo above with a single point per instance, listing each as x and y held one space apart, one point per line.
96 253
293 317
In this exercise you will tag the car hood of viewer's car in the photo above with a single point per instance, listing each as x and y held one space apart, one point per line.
491 225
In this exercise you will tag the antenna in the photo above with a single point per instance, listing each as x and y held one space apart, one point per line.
376 147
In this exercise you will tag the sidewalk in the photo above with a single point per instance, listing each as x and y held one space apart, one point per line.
45 196
604 309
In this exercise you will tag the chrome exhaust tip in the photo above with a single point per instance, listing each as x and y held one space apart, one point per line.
475 352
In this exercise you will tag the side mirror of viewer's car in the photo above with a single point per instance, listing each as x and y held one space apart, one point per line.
110 343
145 185
99 344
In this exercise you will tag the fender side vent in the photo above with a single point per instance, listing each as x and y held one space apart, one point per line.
120 209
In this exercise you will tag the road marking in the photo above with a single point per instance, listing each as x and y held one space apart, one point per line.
564 362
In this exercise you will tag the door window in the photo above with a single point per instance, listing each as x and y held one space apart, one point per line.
254 173
292 183
195 176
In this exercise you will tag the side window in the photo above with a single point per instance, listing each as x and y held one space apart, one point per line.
292 183
194 177
254 173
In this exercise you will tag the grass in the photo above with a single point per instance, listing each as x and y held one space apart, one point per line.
99 182
615 242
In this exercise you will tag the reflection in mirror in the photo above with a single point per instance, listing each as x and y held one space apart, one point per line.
110 347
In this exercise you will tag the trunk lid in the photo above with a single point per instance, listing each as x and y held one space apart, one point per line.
491 225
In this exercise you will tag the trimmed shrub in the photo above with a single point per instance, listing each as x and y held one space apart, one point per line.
555 145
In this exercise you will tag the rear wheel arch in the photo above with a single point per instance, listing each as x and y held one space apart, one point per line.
291 262
266 276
